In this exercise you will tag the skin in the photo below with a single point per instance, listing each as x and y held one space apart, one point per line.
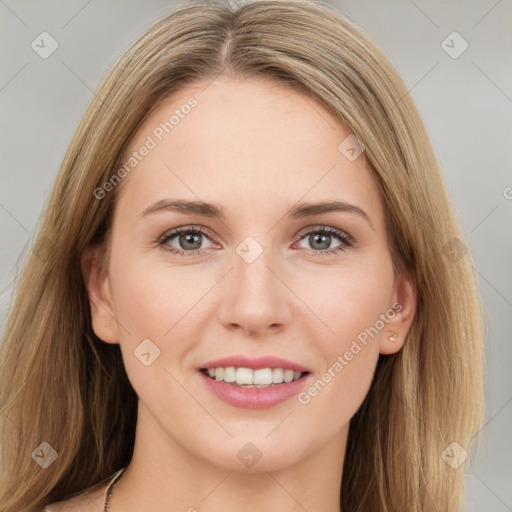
258 149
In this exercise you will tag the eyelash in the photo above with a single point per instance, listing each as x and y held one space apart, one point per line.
346 240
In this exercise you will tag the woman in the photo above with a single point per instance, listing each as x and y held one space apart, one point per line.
249 289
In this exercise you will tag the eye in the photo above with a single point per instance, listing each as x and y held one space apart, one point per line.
185 241
321 238
188 240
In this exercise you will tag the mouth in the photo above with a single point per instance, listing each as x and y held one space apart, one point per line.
253 388
253 378
254 382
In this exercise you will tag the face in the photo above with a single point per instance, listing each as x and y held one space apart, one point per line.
258 273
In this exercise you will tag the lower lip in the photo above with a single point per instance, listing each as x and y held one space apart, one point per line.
254 398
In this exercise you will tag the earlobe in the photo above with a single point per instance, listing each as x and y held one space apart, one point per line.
96 281
404 305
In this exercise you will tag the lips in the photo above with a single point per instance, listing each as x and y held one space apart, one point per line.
254 398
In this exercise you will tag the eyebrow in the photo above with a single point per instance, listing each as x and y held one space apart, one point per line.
214 211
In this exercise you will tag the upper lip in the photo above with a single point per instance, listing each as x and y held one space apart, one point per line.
254 363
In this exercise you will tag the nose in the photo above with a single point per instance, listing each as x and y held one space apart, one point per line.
255 297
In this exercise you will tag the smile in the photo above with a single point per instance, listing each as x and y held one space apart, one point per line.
247 389
247 377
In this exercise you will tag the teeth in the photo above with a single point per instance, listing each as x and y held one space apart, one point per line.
277 375
229 374
247 377
244 376
263 376
288 375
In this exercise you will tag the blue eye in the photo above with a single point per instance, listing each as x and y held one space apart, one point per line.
190 239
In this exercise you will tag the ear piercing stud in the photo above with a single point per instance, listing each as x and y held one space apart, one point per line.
394 337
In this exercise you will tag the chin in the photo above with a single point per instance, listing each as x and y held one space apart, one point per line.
257 454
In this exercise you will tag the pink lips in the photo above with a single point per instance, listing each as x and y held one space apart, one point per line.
254 398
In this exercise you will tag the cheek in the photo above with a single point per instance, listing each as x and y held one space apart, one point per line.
153 305
151 297
347 300
352 306
165 305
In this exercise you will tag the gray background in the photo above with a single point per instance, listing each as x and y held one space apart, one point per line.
466 103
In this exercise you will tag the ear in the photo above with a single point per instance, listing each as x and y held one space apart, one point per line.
404 305
104 323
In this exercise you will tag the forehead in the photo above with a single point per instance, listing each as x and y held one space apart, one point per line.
244 141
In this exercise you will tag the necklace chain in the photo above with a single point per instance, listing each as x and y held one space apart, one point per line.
111 486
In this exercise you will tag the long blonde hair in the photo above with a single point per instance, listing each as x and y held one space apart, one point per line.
62 385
